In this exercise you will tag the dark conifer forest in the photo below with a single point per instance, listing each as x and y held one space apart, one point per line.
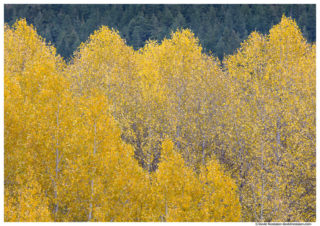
220 28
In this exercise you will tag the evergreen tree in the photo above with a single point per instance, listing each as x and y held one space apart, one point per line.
227 40
136 38
73 42
220 49
167 18
144 30
247 15
179 22
305 33
154 30
164 32
195 23
234 41
213 37
302 21
63 47
262 21
47 34
212 15
39 23
239 25
311 23
127 16
56 30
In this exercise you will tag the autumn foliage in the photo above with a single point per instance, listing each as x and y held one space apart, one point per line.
165 133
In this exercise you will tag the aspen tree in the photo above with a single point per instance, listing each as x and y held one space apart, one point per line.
36 79
183 196
26 202
272 97
240 138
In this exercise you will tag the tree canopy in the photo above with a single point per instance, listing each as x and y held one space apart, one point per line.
162 133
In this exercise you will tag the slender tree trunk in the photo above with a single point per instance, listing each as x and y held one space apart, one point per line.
91 181
57 167
262 181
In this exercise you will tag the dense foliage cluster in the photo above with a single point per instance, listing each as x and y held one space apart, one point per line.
64 157
164 133
220 28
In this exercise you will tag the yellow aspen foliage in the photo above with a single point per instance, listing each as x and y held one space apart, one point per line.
165 133
36 108
26 201
272 103
177 187
175 84
68 137
221 201
103 62
58 120
103 177
182 195
31 67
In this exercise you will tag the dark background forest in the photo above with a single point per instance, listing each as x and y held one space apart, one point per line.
220 28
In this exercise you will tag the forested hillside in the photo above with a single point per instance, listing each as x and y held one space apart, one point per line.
219 28
163 133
